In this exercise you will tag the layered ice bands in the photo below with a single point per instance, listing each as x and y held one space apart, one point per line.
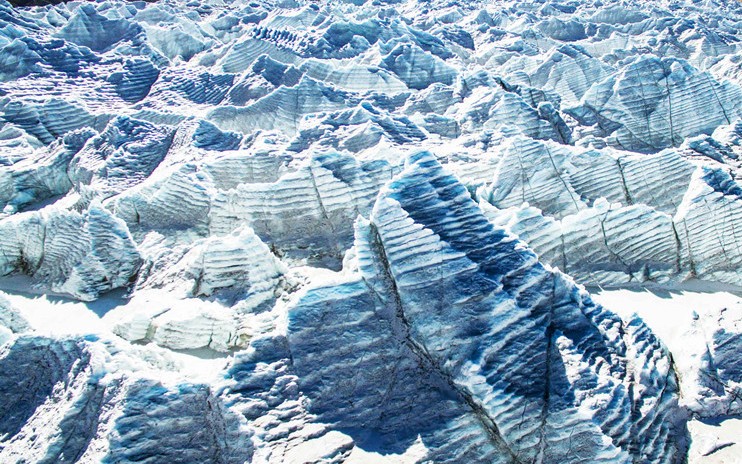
289 231
517 363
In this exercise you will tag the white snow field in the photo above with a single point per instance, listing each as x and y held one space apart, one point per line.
371 231
688 318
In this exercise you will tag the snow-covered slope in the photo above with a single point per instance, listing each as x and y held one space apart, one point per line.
358 231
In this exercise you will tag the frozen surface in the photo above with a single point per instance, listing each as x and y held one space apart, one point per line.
695 321
360 231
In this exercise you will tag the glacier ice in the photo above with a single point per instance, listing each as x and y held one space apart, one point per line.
642 107
97 416
448 289
64 251
369 231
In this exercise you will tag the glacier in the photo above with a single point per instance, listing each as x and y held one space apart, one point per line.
354 231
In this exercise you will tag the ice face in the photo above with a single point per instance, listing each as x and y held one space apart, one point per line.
459 306
295 231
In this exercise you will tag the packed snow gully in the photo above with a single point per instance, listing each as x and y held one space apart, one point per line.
368 231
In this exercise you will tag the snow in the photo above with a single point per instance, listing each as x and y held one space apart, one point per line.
670 313
356 231
669 310
716 442
61 317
